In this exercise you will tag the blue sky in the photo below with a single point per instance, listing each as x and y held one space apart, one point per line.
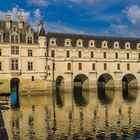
98 17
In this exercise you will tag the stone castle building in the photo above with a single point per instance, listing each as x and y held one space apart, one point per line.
41 61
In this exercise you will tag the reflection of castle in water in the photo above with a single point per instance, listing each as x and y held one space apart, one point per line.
95 119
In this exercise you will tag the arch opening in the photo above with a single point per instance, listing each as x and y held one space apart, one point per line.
105 89
59 97
129 88
14 88
81 90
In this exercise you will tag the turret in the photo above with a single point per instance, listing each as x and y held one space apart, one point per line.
42 36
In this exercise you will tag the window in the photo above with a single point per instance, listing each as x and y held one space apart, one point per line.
30 65
15 50
30 53
92 54
127 55
16 39
80 66
29 40
80 54
0 65
139 55
14 64
104 54
69 66
93 66
128 66
116 55
105 66
0 52
0 38
118 66
67 54
33 78
53 66
12 39
52 53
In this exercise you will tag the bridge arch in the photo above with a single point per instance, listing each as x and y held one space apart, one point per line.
81 90
59 96
60 82
81 80
14 88
105 80
105 85
129 87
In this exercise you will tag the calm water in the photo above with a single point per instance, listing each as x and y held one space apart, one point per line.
83 115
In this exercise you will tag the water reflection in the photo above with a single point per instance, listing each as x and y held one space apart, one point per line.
105 96
80 96
41 117
129 95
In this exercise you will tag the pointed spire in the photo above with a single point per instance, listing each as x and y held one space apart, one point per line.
42 30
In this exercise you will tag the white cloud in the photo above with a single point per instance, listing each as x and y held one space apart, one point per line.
61 27
14 14
38 2
133 14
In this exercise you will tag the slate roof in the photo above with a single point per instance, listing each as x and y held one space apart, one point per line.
60 39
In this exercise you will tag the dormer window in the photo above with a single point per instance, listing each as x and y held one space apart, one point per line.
67 42
79 43
53 41
91 43
29 40
116 44
104 44
127 45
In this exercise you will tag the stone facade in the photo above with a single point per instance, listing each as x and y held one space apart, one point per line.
38 60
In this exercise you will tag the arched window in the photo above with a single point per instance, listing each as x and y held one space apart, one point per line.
69 66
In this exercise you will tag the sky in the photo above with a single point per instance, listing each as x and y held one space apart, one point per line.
97 17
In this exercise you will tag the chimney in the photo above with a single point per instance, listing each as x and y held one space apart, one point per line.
20 22
8 22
